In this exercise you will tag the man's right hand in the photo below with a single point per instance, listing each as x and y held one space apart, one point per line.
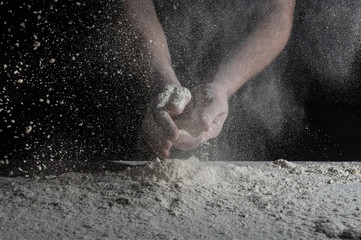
159 129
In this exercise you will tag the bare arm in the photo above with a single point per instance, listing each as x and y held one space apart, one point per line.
167 97
142 17
259 49
207 113
205 116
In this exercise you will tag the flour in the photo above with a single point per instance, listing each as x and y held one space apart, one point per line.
174 95
184 132
188 199
284 164
166 170
335 228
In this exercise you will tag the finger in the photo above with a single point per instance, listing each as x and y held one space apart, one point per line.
187 142
182 122
216 127
161 148
189 121
195 124
199 117
190 125
178 101
165 121
153 129
207 117
163 154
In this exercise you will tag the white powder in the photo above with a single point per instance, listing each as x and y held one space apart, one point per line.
184 132
163 170
176 95
28 129
188 199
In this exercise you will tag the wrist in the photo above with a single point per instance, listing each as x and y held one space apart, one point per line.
158 78
220 88
163 75
161 82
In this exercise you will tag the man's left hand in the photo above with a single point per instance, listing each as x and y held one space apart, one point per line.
203 117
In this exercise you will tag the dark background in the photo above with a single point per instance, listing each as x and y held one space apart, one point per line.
305 106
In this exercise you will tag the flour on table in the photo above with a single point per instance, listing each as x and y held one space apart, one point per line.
188 199
166 170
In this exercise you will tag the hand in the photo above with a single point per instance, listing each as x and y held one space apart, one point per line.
159 129
203 117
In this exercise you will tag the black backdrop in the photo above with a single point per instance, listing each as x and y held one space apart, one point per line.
83 103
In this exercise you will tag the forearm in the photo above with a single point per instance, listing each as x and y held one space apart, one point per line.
148 33
259 49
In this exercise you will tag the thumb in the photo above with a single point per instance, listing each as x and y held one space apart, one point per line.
207 116
216 127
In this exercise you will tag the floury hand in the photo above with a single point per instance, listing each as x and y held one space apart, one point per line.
159 129
203 117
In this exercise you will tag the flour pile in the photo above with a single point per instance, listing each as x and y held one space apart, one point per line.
188 199
162 170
